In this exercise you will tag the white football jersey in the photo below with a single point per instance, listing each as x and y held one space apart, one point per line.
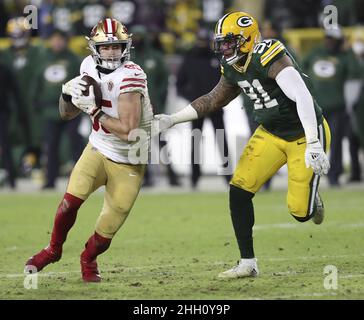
129 77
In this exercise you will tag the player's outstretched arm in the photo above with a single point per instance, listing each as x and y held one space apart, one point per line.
217 98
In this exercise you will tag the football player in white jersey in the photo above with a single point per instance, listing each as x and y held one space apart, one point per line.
112 157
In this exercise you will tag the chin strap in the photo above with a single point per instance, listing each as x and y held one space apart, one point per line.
243 68
104 70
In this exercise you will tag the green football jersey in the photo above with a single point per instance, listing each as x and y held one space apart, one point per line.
272 108
328 72
55 69
25 64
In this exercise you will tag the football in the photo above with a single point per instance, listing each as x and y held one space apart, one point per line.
97 90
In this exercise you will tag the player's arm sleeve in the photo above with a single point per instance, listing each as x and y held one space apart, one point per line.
132 83
293 86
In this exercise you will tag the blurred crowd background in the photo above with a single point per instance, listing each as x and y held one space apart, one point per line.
172 40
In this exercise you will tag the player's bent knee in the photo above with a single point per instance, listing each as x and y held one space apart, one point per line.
238 196
299 212
110 222
248 182
80 188
105 233
301 219
106 230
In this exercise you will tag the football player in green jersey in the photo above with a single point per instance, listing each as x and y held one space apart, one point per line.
292 129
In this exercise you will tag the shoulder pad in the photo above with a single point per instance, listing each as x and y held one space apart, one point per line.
267 50
134 70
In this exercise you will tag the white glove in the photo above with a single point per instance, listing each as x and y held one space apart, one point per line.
86 103
316 158
74 87
163 122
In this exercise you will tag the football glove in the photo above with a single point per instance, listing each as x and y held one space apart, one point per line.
163 122
87 104
316 158
74 87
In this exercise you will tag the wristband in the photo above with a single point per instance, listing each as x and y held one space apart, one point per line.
186 114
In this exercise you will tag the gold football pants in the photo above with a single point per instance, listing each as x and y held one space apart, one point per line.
122 184
265 154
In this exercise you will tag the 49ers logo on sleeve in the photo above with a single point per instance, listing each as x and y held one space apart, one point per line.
245 21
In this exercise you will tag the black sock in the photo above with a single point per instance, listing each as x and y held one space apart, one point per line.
242 216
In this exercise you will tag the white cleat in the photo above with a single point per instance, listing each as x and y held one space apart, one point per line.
244 268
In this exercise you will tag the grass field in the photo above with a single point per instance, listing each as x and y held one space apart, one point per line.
173 246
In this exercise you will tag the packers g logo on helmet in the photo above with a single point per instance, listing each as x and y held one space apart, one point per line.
245 21
236 34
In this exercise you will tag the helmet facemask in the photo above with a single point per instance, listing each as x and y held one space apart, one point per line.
229 47
109 32
110 62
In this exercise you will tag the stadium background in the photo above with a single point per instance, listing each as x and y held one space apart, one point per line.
172 27
182 262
